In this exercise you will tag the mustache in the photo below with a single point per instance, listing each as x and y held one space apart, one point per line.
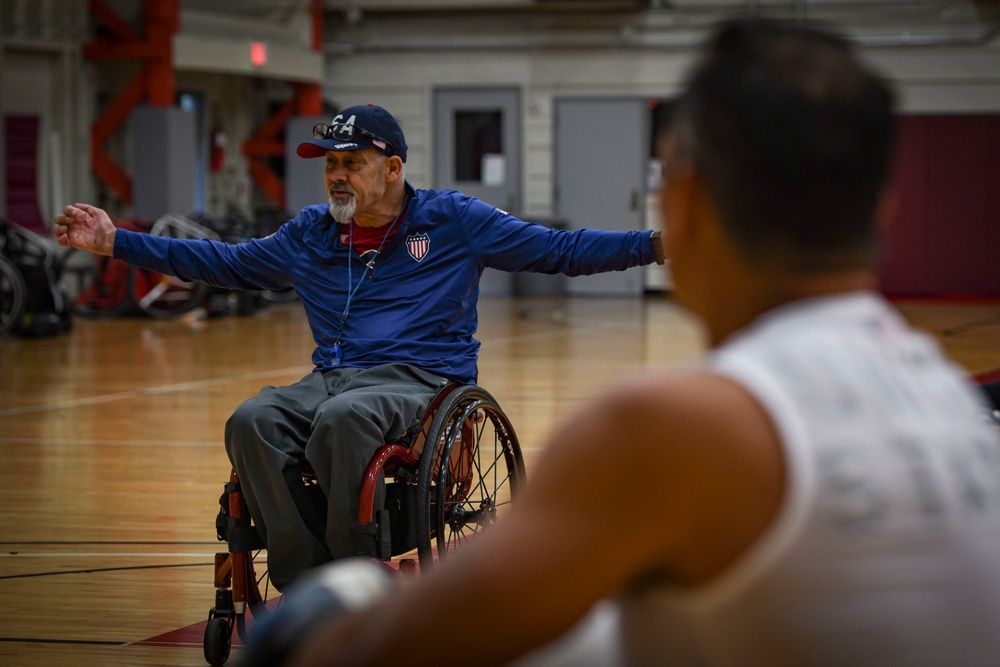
341 187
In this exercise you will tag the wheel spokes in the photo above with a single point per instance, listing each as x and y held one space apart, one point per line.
467 512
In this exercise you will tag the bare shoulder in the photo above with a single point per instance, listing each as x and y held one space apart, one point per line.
713 411
697 453
730 470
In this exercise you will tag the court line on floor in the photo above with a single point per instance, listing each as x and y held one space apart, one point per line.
86 442
119 542
93 570
152 391
106 554
72 642
197 384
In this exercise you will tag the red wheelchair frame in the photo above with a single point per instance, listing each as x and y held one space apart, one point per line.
436 499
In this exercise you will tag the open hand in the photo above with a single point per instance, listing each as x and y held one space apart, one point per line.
85 227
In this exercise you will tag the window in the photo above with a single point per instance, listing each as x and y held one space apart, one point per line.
477 133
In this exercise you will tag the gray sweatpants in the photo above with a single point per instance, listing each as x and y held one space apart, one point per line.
335 420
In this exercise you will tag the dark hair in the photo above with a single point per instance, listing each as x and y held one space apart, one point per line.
794 137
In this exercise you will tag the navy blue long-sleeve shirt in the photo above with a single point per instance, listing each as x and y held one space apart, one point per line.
417 303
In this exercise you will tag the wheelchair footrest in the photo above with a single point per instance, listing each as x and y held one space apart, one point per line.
401 505
364 539
383 539
242 536
238 533
374 540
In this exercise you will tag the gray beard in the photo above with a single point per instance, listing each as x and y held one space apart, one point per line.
343 211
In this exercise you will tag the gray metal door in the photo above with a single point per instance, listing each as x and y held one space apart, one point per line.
477 150
601 157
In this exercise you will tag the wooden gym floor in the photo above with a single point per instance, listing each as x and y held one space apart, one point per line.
112 463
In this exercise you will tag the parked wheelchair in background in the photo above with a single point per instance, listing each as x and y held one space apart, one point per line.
32 302
43 285
104 287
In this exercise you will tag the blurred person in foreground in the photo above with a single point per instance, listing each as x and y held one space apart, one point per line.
825 490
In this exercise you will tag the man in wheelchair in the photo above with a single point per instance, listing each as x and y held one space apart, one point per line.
389 279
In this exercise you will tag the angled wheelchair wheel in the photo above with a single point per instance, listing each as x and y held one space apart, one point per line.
97 286
164 296
470 471
13 295
218 640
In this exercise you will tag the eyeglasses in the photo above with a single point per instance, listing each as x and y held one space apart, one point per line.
344 132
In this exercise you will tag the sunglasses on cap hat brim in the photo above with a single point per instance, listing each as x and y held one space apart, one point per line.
344 133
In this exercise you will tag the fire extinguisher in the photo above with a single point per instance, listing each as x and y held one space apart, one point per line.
218 157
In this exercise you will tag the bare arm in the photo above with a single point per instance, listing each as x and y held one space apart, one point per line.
85 227
674 476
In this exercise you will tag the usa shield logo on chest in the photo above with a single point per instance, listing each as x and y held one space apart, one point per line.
418 245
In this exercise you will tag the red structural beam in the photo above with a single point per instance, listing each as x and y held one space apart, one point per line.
267 141
154 82
316 11
110 21
308 97
162 21
113 117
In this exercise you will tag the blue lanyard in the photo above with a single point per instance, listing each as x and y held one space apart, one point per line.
338 351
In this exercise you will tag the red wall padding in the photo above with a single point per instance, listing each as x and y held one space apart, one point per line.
21 159
944 239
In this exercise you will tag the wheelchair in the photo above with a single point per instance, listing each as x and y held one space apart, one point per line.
447 479
32 300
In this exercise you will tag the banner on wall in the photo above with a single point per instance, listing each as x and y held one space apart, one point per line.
21 179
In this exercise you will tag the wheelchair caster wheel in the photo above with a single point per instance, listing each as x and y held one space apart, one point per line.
218 640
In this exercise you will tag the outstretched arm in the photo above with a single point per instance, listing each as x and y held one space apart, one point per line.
85 227
503 241
254 264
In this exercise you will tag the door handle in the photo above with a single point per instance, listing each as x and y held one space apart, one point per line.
633 203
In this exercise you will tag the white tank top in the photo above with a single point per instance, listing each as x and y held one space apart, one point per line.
886 550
